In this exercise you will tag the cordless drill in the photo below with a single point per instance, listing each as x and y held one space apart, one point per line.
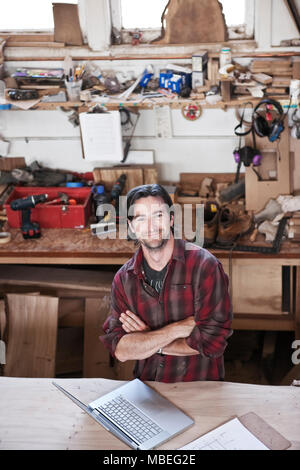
116 192
29 229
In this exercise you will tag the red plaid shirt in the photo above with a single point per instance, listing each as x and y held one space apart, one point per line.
195 284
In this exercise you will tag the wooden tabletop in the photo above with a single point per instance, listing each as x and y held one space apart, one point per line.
78 246
34 414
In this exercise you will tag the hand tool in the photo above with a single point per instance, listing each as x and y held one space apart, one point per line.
62 198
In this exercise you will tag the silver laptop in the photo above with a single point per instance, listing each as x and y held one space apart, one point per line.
136 414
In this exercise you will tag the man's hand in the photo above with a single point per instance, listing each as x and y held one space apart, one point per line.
185 327
132 323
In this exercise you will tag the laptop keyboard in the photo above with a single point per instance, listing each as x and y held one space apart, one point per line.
130 419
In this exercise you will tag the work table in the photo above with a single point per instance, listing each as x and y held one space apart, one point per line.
78 246
34 414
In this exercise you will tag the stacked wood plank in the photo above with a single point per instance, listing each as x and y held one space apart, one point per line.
135 176
279 70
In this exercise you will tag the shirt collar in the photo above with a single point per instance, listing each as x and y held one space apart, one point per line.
178 255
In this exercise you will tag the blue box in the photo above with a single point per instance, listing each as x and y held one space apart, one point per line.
164 77
186 77
175 83
145 78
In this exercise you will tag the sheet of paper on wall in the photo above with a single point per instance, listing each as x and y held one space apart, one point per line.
101 136
163 122
230 436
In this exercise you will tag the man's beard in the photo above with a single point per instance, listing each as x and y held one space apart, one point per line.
155 247
156 244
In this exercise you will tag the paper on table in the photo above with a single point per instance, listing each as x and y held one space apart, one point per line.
101 136
230 436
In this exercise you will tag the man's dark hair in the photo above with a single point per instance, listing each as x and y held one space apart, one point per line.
146 190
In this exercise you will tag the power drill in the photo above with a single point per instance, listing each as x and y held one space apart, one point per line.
29 229
116 191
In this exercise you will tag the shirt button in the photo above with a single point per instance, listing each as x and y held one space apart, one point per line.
161 364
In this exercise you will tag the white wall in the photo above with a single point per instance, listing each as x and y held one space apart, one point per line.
202 146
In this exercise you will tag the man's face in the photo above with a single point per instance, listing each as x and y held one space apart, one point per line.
151 222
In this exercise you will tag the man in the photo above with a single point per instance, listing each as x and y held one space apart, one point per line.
171 309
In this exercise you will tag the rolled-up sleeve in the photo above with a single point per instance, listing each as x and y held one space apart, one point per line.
213 312
112 326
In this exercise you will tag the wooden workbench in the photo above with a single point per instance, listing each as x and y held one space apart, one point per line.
78 246
34 414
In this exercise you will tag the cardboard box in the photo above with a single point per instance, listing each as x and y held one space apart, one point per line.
198 79
199 61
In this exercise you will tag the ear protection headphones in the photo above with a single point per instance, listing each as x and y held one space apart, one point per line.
246 155
296 122
267 126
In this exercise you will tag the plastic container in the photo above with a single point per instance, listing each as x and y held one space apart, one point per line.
56 215
100 198
225 56
73 89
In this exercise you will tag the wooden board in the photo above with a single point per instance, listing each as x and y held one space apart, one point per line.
190 22
193 181
262 78
150 175
66 24
108 177
281 81
67 427
251 293
10 163
36 44
272 66
31 335
296 68
96 360
56 278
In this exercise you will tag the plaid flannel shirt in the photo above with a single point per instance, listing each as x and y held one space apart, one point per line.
195 284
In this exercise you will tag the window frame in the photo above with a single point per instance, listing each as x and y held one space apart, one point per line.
149 34
97 35
37 35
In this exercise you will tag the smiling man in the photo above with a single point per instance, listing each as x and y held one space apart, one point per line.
170 307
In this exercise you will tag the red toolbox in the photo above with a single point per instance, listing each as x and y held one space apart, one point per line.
57 215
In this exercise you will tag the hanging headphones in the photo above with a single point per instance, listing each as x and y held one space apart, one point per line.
246 155
267 126
296 124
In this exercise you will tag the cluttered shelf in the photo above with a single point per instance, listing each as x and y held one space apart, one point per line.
210 82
